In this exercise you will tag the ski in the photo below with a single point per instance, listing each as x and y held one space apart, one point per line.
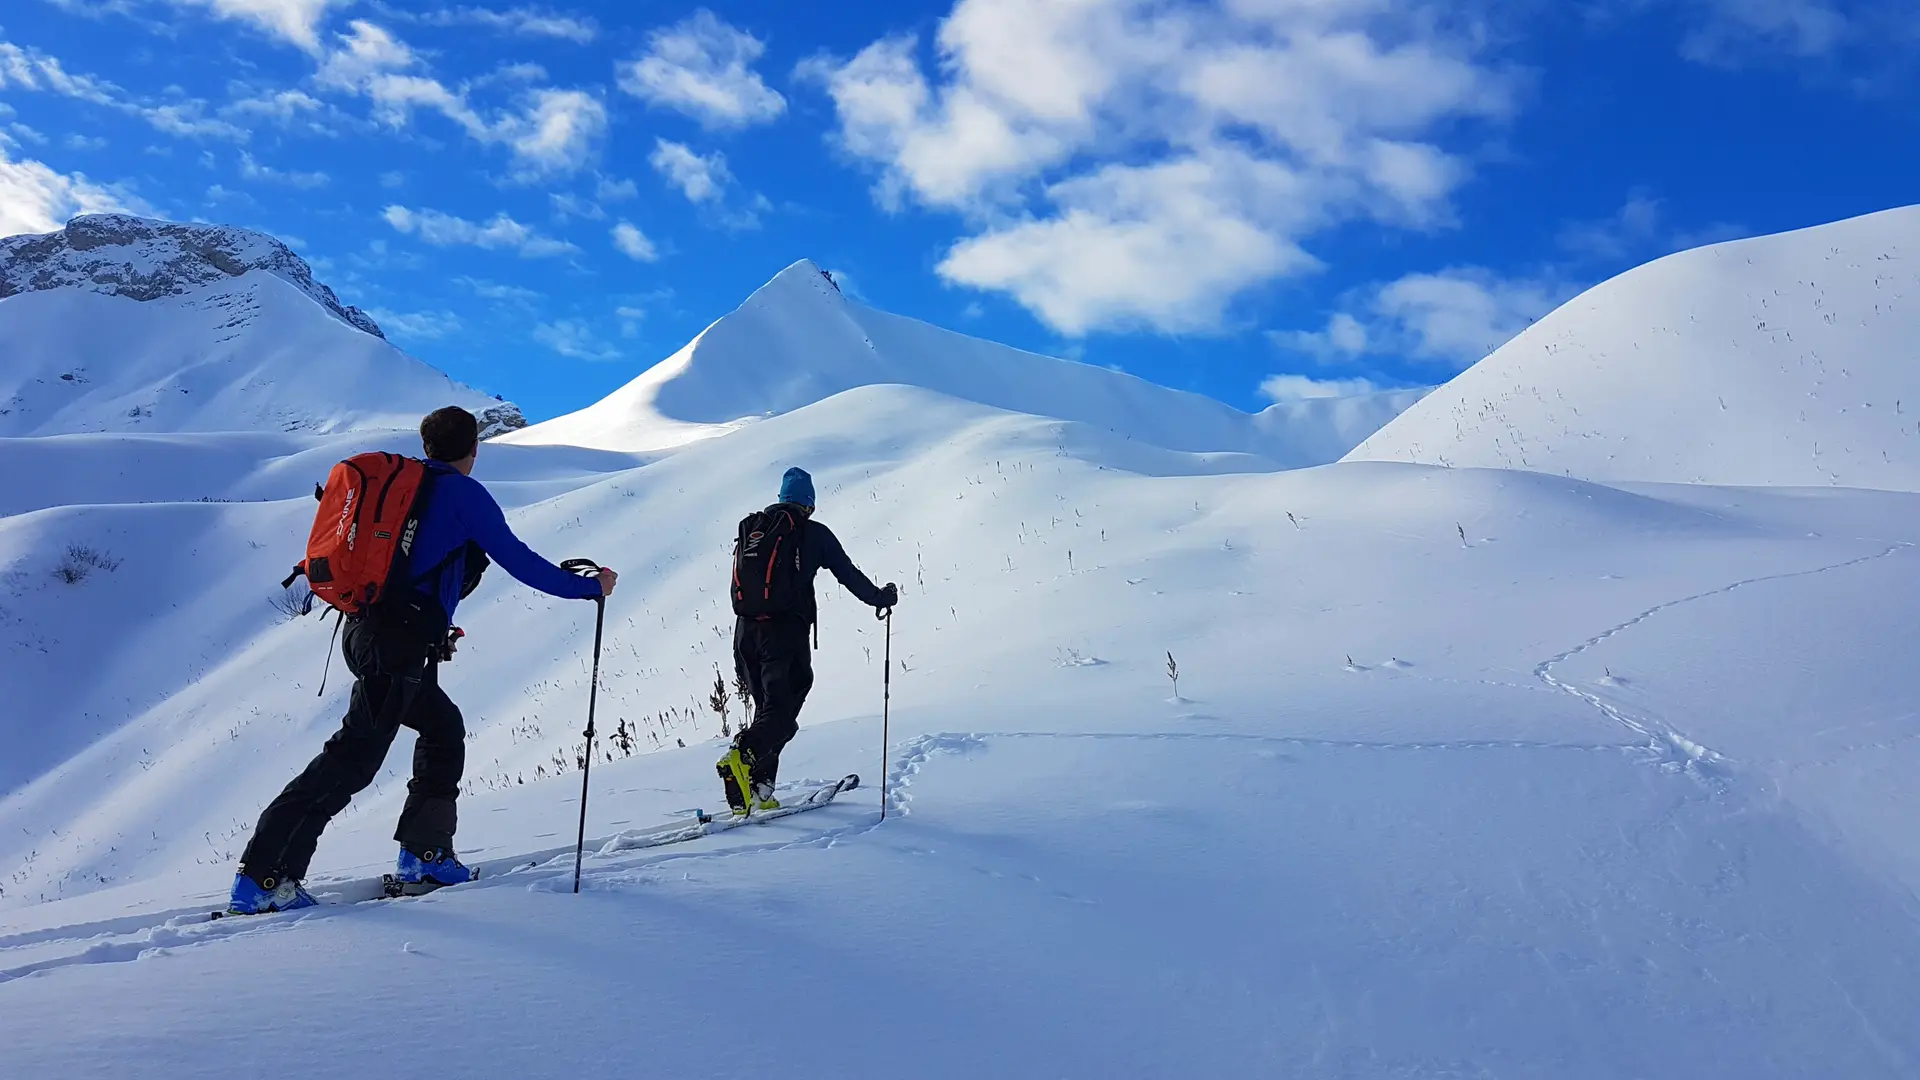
699 823
706 823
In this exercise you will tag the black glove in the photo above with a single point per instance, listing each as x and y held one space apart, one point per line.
889 596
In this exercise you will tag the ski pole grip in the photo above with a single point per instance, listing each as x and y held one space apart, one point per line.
583 567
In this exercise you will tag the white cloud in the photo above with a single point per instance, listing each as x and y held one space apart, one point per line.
1452 317
524 21
557 132
574 339
700 179
418 325
1297 387
1727 30
634 244
609 190
702 67
553 131
280 106
36 199
1627 231
1164 245
568 205
1639 230
253 170
294 21
1344 338
493 290
1128 163
30 69
77 141
499 232
630 320
27 132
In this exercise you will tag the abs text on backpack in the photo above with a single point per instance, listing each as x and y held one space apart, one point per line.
766 564
363 532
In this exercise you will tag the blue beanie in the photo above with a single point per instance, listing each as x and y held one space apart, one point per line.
797 487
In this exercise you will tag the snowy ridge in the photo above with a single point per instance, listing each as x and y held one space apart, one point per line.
1785 360
248 353
798 340
144 259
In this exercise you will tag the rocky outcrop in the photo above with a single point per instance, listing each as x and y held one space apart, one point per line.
500 419
143 259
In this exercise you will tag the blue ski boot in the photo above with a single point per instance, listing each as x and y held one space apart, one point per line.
427 871
269 894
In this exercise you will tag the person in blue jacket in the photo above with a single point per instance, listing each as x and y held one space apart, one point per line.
394 654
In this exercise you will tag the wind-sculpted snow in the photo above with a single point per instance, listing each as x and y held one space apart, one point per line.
144 259
798 340
1790 359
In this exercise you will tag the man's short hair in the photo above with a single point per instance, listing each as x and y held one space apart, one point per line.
449 434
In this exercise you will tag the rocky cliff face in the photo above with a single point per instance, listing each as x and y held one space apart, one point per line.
500 419
143 259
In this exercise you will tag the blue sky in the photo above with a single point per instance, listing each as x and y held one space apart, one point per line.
1247 198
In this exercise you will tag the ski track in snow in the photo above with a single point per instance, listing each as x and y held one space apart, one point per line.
139 937
1663 738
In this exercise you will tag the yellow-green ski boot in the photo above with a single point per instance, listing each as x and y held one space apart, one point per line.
763 797
734 778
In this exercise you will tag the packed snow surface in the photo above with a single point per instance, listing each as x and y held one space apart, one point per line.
799 340
1467 771
1789 359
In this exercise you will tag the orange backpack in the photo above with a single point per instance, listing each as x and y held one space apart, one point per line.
363 531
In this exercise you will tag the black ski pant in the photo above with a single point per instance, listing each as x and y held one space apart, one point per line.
396 683
773 658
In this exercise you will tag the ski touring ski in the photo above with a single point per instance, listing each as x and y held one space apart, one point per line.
706 823
696 824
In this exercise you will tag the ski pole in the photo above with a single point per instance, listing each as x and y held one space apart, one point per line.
588 568
886 708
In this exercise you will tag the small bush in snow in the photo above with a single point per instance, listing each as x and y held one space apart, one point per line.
719 700
293 602
80 561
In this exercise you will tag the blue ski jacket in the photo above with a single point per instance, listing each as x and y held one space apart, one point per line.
460 509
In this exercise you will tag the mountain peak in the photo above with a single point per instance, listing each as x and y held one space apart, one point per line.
802 274
144 259
798 341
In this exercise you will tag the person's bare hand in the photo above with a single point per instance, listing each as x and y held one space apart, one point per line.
606 578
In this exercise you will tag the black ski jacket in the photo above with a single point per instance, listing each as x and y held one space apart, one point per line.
819 548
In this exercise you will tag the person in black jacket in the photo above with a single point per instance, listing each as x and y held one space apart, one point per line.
771 654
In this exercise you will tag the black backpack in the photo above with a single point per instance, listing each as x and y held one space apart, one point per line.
766 564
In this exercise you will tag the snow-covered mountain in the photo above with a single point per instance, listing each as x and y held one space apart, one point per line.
145 259
1370 770
121 324
798 340
1788 359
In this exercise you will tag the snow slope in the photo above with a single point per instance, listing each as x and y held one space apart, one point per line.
250 353
1467 772
798 340
1422 806
1789 359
